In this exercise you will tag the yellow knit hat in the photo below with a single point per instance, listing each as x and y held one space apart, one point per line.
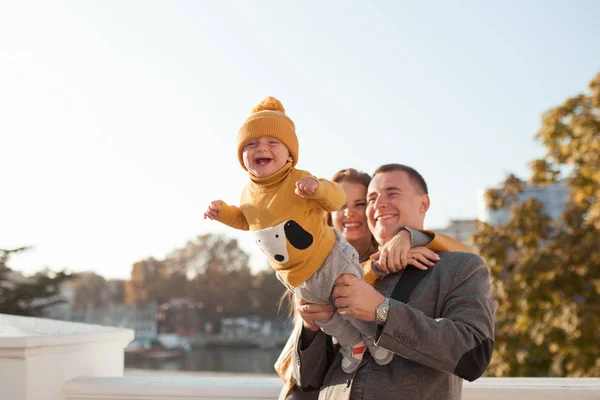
268 119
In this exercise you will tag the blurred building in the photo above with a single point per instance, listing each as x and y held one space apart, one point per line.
459 229
554 198
140 318
181 316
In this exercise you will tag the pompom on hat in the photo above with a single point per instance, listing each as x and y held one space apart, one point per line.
268 119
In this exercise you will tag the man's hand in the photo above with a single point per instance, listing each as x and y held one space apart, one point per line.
354 297
306 186
310 312
213 210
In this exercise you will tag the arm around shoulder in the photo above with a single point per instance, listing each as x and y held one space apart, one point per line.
436 241
441 242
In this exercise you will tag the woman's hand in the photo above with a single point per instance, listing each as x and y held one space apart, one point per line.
393 256
311 312
421 257
396 255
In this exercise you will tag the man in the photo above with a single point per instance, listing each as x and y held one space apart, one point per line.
441 335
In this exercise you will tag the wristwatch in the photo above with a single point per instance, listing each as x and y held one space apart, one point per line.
382 311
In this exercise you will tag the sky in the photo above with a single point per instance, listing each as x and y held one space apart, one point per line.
118 120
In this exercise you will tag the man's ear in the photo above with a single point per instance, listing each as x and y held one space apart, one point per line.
424 204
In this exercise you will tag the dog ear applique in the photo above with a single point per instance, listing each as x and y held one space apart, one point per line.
297 235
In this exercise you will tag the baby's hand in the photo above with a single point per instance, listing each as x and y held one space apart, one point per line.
306 186
214 208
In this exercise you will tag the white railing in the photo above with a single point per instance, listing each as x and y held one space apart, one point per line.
172 388
43 359
246 388
37 356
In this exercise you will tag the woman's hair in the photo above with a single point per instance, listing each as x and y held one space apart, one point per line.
349 175
352 175
287 301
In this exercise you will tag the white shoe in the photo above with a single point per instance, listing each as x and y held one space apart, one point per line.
379 354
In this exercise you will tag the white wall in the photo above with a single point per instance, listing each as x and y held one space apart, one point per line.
37 356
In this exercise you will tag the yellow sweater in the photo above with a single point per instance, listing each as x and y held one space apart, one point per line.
291 230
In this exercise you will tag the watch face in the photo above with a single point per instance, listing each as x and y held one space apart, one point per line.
382 313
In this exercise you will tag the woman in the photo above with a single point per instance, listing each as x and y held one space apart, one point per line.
351 222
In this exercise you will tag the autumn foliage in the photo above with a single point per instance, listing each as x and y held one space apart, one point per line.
546 273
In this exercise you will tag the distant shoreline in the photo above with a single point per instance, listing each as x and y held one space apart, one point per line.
162 372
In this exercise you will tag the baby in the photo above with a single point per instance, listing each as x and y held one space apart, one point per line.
286 210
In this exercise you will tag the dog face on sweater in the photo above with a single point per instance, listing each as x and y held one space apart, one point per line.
274 241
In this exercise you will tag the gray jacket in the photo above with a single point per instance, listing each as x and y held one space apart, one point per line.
444 334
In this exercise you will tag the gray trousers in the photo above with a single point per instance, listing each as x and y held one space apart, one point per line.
342 259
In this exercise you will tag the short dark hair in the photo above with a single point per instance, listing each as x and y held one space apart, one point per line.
416 178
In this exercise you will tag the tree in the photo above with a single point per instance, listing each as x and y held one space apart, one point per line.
219 273
116 291
148 283
90 289
267 294
546 273
28 296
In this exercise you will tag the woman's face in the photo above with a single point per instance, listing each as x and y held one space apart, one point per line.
351 220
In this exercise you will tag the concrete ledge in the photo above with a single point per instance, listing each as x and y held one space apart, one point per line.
37 356
172 388
246 388
532 389
26 332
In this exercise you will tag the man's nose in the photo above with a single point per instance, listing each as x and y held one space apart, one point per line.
379 202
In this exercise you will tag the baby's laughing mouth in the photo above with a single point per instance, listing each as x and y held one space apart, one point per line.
262 161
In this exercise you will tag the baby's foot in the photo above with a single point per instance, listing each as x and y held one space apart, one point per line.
353 355
379 354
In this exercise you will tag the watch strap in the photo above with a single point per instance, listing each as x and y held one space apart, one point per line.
384 304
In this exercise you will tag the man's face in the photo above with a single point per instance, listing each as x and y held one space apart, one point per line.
393 202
